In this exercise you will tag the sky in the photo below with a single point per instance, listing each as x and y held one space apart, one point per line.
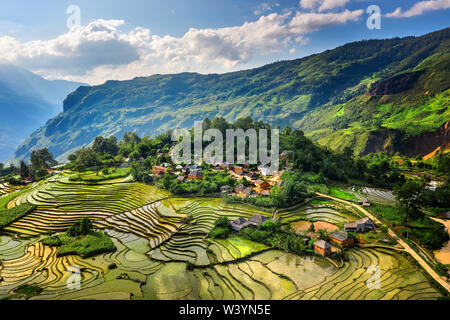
95 41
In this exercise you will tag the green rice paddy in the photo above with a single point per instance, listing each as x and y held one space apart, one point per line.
164 252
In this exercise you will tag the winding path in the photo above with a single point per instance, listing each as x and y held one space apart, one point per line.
407 248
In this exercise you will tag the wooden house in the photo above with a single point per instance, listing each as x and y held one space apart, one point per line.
196 175
257 220
323 248
342 238
239 224
262 184
362 225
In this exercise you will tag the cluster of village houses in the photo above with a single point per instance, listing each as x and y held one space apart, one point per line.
343 238
259 182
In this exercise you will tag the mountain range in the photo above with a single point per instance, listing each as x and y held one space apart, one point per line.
372 95
27 101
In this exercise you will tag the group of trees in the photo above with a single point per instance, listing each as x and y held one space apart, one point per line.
275 235
40 161
375 169
412 197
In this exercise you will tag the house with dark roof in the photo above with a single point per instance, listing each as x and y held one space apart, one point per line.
159 170
247 191
322 247
342 238
239 224
251 176
362 225
195 175
262 184
238 169
265 193
365 203
258 220
226 165
194 167
225 189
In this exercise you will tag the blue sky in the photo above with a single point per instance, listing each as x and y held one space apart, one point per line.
123 39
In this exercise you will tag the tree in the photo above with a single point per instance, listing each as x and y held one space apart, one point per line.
1 166
24 171
131 138
99 145
81 228
42 159
223 222
410 198
86 158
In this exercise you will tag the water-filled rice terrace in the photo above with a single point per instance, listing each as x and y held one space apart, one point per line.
163 251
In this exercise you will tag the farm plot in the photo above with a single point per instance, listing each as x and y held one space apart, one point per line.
99 280
317 213
278 275
122 274
248 280
225 250
190 242
6 188
399 279
60 205
379 196
12 248
41 266
146 222
108 198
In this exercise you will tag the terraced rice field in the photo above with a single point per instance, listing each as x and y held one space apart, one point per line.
319 212
190 242
157 235
5 188
279 275
59 205
379 196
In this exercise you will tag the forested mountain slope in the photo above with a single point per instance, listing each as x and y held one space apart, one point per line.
369 95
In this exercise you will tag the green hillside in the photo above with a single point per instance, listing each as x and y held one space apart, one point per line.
394 89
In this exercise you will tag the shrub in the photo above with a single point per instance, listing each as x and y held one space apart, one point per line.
10 215
222 222
220 233
80 228
27 291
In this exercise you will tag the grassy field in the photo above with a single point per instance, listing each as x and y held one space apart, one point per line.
94 177
338 193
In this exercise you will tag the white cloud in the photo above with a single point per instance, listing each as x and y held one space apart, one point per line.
265 7
309 22
420 8
322 5
101 51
